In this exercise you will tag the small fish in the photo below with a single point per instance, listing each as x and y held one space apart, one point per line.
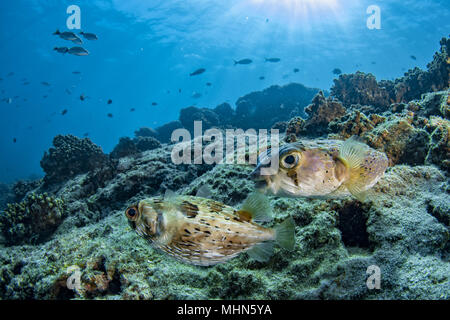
321 169
196 95
132 109
61 49
285 76
76 72
68 91
413 57
154 103
243 61
261 78
337 71
110 115
45 83
77 40
109 101
78 51
89 36
66 35
85 134
14 140
373 62
8 100
197 72
179 90
204 232
26 83
10 74
82 97
45 96
296 70
273 59
209 84
64 112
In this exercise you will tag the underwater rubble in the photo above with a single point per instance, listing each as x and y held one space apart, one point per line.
403 228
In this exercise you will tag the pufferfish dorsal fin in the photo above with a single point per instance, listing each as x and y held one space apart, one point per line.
352 154
256 207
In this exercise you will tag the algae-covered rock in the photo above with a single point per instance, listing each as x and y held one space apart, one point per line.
32 220
71 156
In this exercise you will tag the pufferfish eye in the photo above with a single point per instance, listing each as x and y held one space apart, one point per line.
290 161
131 213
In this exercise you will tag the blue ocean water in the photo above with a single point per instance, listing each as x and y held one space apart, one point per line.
147 49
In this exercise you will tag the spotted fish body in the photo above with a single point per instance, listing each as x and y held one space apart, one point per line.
197 230
322 169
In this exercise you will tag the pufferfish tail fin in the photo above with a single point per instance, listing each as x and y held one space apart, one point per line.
352 154
285 234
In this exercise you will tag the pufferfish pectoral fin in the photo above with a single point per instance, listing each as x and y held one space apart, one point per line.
256 207
352 154
261 252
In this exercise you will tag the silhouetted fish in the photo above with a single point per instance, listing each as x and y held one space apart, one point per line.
208 84
272 59
110 115
337 71
296 70
154 103
10 74
14 140
132 109
26 83
243 61
82 97
197 72
89 36
78 51
45 83
64 112
86 134
261 78
413 57
66 35
196 95
61 49
109 101
76 72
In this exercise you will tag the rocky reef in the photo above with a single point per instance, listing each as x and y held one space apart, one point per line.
74 218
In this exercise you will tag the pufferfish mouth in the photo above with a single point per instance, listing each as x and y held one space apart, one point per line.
261 181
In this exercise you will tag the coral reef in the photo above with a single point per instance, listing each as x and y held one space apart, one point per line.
281 103
361 88
128 146
32 220
403 227
69 157
321 111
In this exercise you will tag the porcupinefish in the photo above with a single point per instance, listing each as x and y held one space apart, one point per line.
204 232
321 169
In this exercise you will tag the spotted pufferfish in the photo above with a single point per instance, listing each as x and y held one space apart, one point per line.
321 169
204 232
